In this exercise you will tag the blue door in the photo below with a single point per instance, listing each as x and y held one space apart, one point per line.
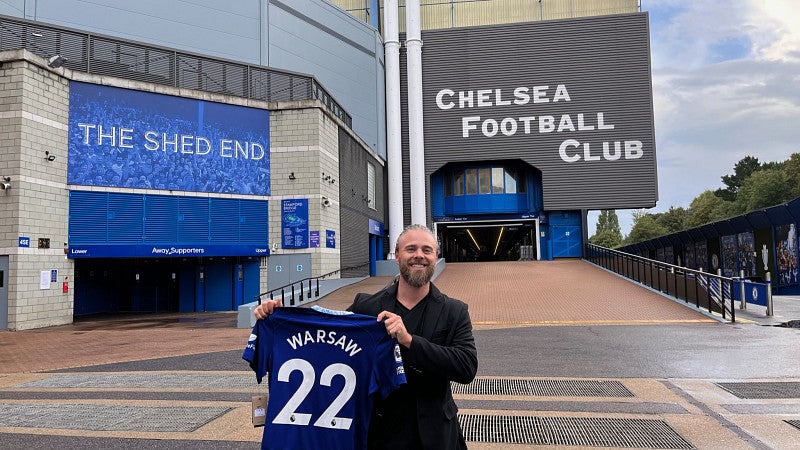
219 285
566 241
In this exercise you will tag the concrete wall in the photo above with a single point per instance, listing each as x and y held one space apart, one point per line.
33 120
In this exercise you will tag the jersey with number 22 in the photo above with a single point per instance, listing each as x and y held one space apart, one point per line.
323 371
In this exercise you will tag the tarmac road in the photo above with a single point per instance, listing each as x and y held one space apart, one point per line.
649 377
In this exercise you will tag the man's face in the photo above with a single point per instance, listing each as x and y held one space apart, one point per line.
416 257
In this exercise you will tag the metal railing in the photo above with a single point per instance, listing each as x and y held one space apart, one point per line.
297 296
713 293
103 55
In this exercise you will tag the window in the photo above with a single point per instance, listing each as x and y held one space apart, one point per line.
371 186
497 180
511 181
484 179
472 181
458 185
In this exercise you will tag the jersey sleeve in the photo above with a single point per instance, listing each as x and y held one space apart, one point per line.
388 373
259 348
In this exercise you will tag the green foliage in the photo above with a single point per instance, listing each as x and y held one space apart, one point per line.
608 233
707 208
644 227
792 170
752 186
763 189
743 169
673 220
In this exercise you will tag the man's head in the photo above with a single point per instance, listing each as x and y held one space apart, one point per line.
416 252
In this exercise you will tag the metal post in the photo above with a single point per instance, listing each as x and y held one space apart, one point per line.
674 279
743 301
769 294
721 298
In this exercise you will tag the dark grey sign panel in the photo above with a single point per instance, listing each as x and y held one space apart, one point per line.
573 98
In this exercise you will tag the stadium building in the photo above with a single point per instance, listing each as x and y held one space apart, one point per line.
158 157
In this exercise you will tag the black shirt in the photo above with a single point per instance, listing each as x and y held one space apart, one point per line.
396 416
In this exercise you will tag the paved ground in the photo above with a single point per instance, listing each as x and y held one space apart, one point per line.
570 356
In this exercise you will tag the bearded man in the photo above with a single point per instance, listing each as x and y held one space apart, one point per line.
437 345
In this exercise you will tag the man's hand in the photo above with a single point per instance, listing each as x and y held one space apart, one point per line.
396 328
266 308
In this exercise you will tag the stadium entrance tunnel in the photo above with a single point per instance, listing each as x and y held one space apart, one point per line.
487 241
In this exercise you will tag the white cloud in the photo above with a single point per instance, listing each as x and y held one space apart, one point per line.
726 84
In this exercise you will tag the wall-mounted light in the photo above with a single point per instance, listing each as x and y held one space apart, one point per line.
56 61
5 184
48 156
291 176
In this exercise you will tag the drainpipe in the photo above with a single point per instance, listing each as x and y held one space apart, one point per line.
394 149
416 142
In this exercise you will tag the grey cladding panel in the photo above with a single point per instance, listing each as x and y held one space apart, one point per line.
317 38
593 75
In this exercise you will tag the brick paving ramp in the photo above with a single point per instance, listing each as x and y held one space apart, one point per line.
524 293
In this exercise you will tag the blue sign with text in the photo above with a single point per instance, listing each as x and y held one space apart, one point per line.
294 223
375 227
126 138
24 241
330 239
164 251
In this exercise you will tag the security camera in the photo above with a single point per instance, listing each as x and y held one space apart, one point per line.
4 185
326 202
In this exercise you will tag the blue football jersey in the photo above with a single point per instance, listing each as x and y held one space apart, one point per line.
323 371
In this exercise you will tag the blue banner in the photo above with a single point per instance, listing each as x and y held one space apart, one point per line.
127 138
313 239
330 239
294 221
754 293
375 227
165 250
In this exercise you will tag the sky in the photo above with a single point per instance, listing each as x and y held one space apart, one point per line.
726 84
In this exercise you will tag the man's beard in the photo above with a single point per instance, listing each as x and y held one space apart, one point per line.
416 278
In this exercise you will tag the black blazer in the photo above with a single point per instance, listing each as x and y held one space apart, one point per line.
444 351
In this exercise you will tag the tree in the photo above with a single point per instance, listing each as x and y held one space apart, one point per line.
608 233
707 208
644 227
673 220
792 170
763 189
743 169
